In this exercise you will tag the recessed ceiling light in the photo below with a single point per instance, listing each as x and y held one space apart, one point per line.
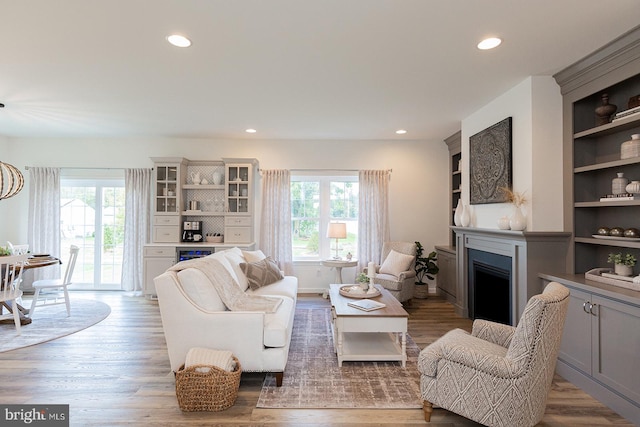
401 131
250 131
489 43
178 40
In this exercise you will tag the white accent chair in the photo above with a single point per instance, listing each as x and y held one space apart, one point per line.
52 287
400 284
10 277
498 375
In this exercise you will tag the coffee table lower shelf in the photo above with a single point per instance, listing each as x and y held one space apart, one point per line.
371 346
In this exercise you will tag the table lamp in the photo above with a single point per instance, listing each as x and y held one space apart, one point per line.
337 230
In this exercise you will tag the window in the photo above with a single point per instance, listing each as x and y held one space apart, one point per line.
316 201
92 218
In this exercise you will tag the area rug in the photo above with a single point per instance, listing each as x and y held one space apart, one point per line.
51 322
313 379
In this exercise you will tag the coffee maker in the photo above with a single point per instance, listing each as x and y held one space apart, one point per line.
192 231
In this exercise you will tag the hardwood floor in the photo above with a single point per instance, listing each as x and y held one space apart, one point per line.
117 373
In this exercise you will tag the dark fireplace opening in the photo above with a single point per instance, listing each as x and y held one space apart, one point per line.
489 286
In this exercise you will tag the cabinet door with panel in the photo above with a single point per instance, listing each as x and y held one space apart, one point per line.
601 339
616 345
156 260
446 277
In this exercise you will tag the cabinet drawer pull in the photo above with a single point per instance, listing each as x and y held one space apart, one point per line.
593 309
584 307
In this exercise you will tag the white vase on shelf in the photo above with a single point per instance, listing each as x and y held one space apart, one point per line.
465 219
518 221
457 217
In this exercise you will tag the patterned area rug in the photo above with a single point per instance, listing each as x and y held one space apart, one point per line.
51 322
313 379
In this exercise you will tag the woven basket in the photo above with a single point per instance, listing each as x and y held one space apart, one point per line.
211 391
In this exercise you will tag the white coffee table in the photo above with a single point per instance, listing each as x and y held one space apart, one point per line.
378 335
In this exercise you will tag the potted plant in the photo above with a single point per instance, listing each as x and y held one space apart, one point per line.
4 251
424 267
623 263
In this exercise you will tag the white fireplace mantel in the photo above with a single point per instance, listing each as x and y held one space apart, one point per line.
531 253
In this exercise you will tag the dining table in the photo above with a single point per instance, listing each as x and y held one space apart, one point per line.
34 261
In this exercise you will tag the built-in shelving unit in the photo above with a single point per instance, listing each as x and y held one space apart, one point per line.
454 143
600 314
595 163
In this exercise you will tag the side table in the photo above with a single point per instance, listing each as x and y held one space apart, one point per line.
338 264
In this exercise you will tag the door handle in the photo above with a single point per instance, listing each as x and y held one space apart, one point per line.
584 307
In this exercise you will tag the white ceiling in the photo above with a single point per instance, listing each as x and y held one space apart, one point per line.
292 69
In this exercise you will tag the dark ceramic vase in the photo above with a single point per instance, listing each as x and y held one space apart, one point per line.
605 111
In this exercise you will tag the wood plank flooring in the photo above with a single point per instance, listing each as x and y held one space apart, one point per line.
117 373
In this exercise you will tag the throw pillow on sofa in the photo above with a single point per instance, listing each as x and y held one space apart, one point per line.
253 256
396 263
261 273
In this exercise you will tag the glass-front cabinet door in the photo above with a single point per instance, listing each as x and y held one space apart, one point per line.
239 191
167 186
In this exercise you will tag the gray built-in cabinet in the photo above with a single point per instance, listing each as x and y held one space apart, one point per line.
601 341
446 254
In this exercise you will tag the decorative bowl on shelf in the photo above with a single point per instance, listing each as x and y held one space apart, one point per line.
633 233
616 232
604 231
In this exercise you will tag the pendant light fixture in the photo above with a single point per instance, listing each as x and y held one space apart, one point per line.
11 180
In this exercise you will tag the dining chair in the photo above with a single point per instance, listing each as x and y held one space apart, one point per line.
10 277
52 287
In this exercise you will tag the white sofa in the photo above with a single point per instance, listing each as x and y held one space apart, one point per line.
193 315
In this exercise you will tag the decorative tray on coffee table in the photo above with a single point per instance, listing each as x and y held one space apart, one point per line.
355 291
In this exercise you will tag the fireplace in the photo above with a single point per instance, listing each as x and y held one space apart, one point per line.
498 284
490 284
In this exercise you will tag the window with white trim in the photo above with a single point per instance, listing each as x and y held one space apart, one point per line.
316 201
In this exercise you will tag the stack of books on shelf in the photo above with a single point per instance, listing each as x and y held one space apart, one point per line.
619 197
627 113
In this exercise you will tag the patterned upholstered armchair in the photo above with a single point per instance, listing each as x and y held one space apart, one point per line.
498 375
396 273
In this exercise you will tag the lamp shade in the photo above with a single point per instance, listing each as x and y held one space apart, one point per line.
337 230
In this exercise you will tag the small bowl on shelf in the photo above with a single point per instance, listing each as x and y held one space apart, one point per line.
616 232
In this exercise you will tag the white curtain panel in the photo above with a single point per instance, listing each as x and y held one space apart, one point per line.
137 186
44 217
275 228
373 216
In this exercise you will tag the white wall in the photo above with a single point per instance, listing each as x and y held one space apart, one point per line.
535 105
419 182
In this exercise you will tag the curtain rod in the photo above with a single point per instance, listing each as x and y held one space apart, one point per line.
74 168
325 170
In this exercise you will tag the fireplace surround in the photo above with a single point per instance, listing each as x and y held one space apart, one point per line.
524 254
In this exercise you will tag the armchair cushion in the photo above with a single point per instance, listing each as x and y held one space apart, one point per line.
261 273
396 263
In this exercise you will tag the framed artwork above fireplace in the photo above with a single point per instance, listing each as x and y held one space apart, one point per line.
490 164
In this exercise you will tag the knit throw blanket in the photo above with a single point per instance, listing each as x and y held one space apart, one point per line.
227 288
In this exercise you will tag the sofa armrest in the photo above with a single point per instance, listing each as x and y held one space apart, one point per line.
497 333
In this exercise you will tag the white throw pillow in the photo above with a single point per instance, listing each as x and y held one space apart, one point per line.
200 290
235 258
396 263
253 256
